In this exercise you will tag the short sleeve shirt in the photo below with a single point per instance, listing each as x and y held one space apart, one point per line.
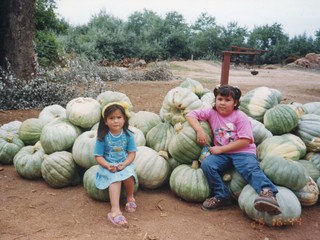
227 129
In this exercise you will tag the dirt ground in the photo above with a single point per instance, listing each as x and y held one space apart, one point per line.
30 209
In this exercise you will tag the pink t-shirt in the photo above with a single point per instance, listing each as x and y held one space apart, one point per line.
227 129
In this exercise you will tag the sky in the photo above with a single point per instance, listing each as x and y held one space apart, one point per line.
295 16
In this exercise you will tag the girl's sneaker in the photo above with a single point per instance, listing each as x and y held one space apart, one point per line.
216 204
267 202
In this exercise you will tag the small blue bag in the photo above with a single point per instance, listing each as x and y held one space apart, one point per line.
204 153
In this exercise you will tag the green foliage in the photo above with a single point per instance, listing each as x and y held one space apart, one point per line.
47 28
151 37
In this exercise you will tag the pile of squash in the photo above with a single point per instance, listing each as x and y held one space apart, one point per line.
58 147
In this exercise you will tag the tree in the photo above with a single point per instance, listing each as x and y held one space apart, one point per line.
17 32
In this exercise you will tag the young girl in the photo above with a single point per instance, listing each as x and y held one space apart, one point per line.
115 151
233 147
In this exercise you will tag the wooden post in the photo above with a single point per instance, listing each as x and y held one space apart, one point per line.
225 67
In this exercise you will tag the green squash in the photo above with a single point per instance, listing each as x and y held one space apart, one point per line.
235 182
159 137
280 119
83 112
28 160
285 172
287 145
288 202
144 120
58 135
311 168
10 145
308 130
107 97
260 132
208 99
309 194
315 158
139 137
30 130
52 112
311 107
257 101
189 183
10 127
152 168
83 147
60 170
89 179
194 85
183 146
177 103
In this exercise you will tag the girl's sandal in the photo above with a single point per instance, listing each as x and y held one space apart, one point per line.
117 219
131 206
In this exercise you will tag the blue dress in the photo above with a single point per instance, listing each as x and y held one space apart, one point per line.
115 150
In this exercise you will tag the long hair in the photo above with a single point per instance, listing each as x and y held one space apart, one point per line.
228 91
103 129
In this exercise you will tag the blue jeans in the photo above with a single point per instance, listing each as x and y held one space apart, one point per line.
246 164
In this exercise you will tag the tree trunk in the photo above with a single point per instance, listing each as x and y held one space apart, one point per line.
17 34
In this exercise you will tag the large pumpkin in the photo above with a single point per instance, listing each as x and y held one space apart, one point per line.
260 132
235 182
194 85
28 160
285 172
58 135
82 149
287 145
113 96
30 130
208 99
311 107
52 112
152 168
257 101
89 179
280 119
139 137
144 120
288 202
10 145
10 127
60 170
311 168
177 103
189 182
159 137
309 194
315 158
308 130
183 146
83 112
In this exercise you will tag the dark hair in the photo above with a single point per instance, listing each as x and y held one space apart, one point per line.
226 91
103 129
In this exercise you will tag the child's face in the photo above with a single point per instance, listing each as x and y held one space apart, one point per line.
225 105
115 122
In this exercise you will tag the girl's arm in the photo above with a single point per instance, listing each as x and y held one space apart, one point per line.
233 146
195 124
129 159
103 163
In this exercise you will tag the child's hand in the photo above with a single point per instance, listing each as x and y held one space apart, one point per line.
216 150
201 138
120 166
112 168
